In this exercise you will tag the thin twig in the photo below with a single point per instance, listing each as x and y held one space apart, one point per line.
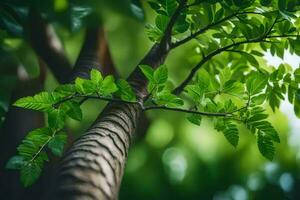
166 39
206 28
226 114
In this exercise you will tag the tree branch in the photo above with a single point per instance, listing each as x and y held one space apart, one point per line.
48 47
89 56
166 39
180 88
186 111
106 61
211 114
206 28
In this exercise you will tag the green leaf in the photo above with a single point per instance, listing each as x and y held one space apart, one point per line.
168 99
252 60
225 75
15 162
297 103
171 6
195 119
181 24
84 86
196 92
41 102
259 99
96 76
256 83
161 74
65 90
233 87
265 2
148 72
297 75
73 110
56 118
125 91
33 141
263 127
30 173
229 129
57 143
265 146
108 86
161 22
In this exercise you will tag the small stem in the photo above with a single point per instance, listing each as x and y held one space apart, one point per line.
185 110
41 148
86 97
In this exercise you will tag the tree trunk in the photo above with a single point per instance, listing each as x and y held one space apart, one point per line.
94 165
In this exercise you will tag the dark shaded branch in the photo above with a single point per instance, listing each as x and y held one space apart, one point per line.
166 39
282 36
89 55
48 47
106 61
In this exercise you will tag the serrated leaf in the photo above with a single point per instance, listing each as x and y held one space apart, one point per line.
259 99
41 102
171 6
233 87
73 110
297 75
225 75
265 146
231 133
257 117
167 99
30 173
265 128
297 104
229 130
65 90
108 86
56 118
96 76
57 143
256 83
148 72
195 92
125 91
161 75
84 86
33 141
195 119
161 22
15 162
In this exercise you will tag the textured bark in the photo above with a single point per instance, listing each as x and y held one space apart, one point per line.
94 165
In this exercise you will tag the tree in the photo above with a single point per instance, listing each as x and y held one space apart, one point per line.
229 84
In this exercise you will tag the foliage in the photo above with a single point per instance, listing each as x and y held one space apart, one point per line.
63 102
233 92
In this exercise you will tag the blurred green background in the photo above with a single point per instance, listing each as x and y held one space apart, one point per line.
175 159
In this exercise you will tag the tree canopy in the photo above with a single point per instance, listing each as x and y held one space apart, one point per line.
227 80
